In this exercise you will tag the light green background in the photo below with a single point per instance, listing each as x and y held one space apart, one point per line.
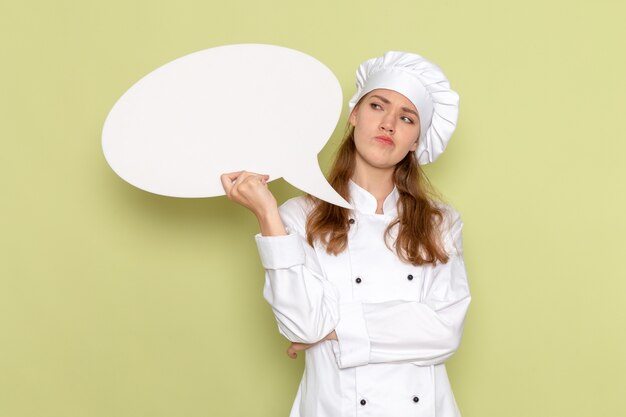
117 302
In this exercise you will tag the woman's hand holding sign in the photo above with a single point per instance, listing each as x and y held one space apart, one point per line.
251 191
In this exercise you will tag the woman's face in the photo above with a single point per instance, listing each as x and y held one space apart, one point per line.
386 128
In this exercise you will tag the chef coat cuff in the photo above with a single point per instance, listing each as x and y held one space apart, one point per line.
280 252
353 347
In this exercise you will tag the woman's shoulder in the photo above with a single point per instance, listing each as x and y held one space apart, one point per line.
300 205
450 228
295 211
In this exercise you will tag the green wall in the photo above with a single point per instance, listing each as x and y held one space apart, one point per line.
116 302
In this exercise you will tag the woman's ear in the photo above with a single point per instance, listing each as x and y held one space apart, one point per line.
352 117
413 147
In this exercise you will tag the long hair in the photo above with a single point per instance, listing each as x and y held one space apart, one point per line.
419 239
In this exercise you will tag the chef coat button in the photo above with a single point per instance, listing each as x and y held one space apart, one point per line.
410 277
415 399
351 221
358 280
363 402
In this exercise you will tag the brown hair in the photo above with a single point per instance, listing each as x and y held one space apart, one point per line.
419 239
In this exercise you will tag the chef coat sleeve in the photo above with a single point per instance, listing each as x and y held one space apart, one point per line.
304 302
423 332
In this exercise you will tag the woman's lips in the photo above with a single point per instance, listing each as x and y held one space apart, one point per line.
384 139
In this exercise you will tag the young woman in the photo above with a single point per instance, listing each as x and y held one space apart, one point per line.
376 295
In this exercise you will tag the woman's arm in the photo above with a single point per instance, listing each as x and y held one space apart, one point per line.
304 302
424 333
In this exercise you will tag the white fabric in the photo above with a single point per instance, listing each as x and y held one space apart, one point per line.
394 333
425 85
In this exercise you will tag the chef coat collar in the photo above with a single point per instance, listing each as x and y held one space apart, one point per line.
363 201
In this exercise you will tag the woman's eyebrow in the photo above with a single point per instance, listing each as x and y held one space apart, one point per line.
406 109
384 100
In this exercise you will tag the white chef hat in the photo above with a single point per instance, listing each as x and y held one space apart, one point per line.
425 85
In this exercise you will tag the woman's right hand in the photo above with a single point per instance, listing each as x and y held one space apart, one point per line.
251 191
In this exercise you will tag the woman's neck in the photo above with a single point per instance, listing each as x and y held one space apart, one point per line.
378 182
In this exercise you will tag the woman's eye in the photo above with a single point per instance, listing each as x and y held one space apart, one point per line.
406 119
375 106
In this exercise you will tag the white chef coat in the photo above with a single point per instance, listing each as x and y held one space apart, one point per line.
396 323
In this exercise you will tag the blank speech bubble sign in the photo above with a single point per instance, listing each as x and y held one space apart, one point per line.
254 107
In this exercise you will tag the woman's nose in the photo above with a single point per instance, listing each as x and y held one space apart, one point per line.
387 126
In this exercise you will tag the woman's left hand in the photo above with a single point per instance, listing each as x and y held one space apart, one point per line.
295 346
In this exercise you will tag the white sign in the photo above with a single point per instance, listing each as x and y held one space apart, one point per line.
260 108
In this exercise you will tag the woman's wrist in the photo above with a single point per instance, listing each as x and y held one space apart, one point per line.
270 223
